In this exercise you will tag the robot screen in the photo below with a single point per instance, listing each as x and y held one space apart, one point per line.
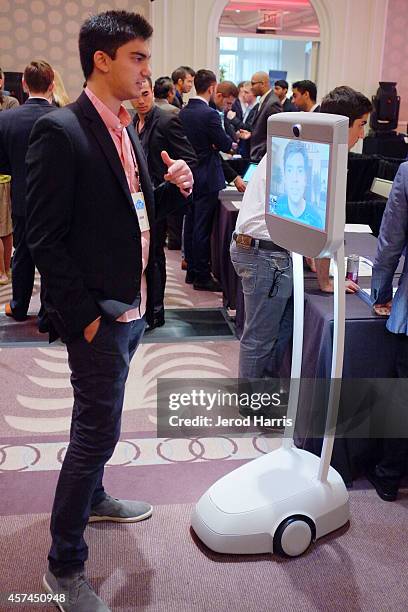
299 180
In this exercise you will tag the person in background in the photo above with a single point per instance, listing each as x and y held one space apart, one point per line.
281 90
159 131
268 105
247 119
203 128
224 98
164 92
250 101
239 107
6 102
356 106
6 229
183 79
304 95
392 461
15 129
60 96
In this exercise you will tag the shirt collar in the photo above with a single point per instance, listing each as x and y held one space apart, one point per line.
38 98
200 98
264 96
112 121
313 107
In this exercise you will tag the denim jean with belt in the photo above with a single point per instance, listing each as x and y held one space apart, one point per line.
267 284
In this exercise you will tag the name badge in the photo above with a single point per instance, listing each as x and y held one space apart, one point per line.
140 208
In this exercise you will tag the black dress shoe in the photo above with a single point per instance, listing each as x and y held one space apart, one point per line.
189 278
209 285
385 491
157 322
43 326
10 313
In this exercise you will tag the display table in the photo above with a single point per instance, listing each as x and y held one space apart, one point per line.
224 225
369 353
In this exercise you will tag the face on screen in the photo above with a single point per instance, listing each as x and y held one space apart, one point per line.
295 178
299 179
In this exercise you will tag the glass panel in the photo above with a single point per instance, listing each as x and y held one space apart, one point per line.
228 67
228 43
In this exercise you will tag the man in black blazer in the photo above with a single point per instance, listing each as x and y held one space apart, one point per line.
268 105
183 79
305 96
90 207
280 89
15 129
160 130
202 126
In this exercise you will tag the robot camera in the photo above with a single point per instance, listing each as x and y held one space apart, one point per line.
297 130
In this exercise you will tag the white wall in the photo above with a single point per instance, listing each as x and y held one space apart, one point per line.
352 39
395 65
293 60
48 29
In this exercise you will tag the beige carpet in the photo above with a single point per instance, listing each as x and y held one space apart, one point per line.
157 566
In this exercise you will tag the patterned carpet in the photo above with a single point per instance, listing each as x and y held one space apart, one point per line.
158 565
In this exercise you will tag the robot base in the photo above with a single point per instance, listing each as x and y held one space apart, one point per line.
272 504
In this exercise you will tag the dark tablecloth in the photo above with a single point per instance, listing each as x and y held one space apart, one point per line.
369 353
224 225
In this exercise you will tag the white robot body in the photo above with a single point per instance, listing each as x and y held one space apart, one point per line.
284 500
241 512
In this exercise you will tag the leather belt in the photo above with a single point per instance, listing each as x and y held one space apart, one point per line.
245 241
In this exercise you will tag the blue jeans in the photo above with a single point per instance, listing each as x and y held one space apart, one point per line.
267 283
98 375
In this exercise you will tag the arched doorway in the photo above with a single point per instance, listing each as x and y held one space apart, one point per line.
318 64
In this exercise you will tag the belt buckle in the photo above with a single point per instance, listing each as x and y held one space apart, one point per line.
244 241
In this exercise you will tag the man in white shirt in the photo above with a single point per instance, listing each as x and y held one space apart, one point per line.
265 268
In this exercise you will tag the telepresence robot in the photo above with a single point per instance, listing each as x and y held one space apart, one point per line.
281 502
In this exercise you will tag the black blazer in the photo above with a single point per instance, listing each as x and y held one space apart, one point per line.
178 100
202 126
257 143
288 107
15 129
82 228
237 108
163 131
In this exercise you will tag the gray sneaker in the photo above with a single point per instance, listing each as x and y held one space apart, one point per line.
120 511
73 593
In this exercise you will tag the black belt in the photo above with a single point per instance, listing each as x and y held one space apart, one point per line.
246 242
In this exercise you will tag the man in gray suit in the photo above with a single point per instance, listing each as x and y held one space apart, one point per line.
268 105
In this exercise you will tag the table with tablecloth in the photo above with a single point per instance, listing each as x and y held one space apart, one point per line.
369 353
223 227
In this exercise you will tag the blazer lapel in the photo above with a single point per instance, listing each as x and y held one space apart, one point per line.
106 143
145 181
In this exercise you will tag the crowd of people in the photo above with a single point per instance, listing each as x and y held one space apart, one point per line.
220 117
97 191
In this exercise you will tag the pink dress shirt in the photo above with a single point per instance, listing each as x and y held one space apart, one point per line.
116 125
